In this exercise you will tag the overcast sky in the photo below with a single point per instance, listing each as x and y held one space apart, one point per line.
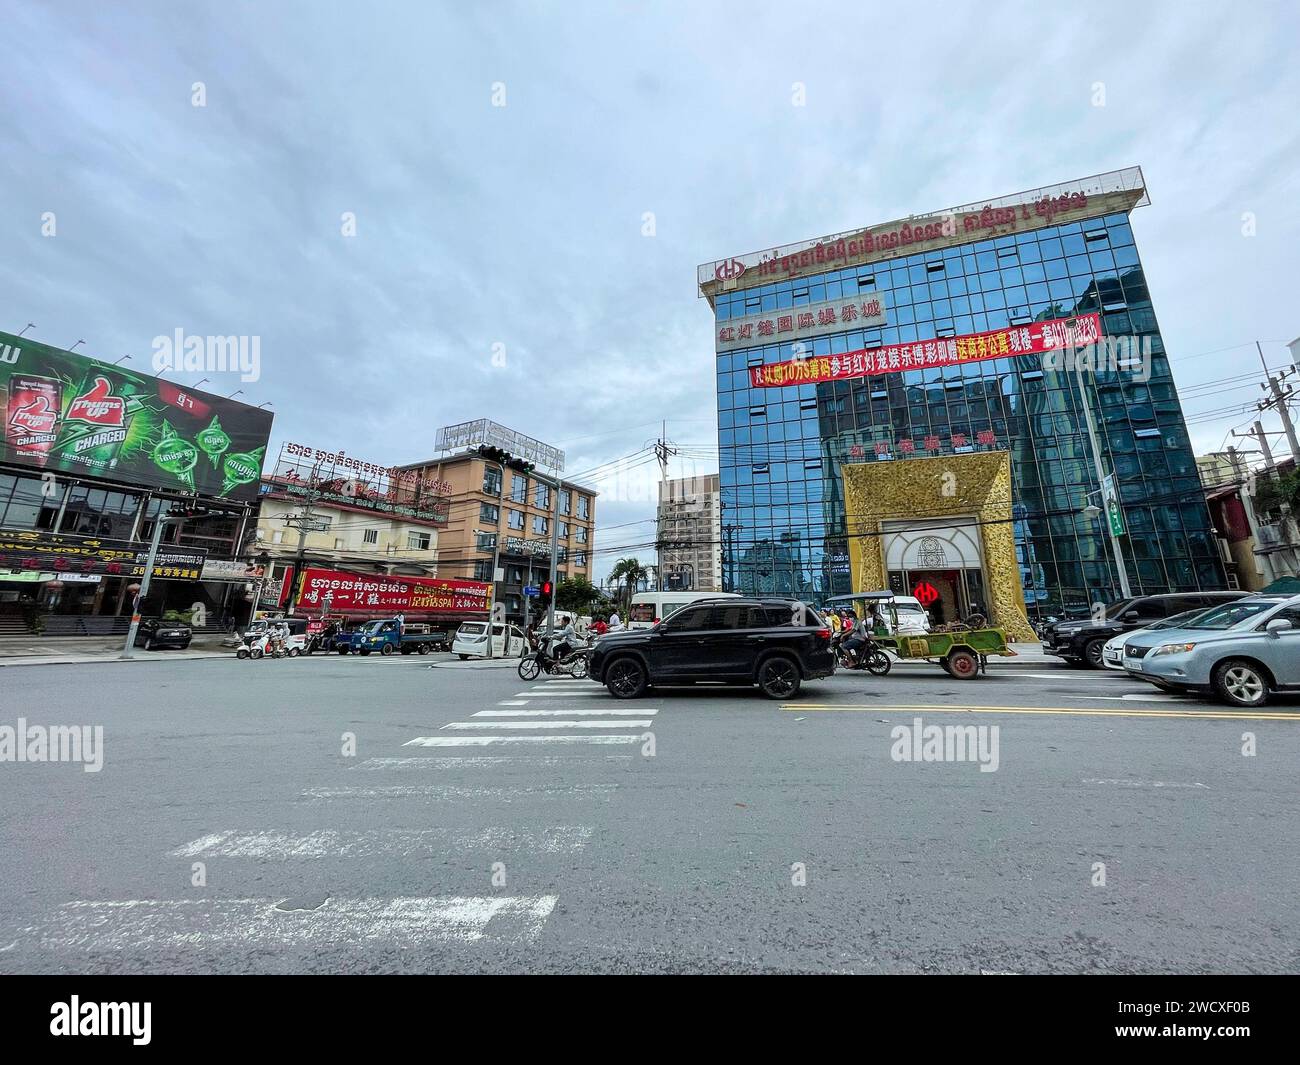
500 265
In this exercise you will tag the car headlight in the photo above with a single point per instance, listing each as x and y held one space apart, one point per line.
1172 649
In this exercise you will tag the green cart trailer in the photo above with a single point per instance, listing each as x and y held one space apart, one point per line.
963 654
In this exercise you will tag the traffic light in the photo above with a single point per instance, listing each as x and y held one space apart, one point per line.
522 465
494 454
186 508
544 596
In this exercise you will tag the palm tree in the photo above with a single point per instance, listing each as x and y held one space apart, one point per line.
631 572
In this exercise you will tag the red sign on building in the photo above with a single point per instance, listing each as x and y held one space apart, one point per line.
336 592
1016 340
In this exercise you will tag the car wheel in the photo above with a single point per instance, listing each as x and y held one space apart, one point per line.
388 650
626 678
778 678
423 649
962 664
463 657
1241 683
1092 653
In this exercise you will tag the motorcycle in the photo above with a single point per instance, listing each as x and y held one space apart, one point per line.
868 656
574 664
259 642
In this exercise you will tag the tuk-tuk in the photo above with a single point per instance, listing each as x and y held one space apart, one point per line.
298 642
962 652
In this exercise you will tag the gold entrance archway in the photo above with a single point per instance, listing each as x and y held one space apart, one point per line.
974 489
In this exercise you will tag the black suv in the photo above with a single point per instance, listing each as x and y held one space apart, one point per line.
774 643
1080 642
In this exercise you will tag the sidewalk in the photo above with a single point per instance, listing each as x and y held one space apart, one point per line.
69 650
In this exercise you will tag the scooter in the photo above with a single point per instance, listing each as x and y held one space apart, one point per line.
574 664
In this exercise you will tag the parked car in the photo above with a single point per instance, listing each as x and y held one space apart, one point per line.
471 641
913 620
156 633
1112 655
1244 652
734 640
1081 643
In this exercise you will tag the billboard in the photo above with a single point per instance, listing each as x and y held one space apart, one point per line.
336 477
336 592
70 414
485 431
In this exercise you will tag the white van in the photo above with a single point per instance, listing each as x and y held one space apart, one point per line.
649 608
913 619
471 641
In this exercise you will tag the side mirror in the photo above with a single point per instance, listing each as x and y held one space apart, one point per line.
1278 625
1131 615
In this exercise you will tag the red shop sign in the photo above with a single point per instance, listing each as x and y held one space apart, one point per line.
363 593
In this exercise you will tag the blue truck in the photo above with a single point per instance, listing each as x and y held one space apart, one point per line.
385 636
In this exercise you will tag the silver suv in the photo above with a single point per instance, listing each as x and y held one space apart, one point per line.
1244 652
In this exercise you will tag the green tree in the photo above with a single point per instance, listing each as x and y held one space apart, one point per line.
577 594
631 573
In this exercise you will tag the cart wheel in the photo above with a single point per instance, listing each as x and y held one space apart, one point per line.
293 652
242 653
962 664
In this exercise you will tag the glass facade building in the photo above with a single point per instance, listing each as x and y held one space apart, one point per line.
782 449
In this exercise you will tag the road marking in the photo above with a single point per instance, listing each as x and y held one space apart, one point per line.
333 843
513 702
1066 710
1133 697
148 924
1073 675
580 712
485 741
1147 783
594 693
485 761
461 725
455 792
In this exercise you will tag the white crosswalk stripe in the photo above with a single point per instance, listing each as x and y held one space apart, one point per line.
487 741
332 843
625 723
134 925
573 712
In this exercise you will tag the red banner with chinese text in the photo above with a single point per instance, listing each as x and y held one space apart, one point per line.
360 593
1016 340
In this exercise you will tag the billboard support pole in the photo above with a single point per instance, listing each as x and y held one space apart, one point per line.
129 650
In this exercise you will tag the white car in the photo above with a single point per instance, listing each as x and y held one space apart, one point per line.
1112 654
912 617
471 641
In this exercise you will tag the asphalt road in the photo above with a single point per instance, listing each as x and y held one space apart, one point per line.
485 824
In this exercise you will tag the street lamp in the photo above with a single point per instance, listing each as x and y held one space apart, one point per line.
119 361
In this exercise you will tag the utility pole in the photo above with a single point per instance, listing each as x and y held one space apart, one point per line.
662 452
492 595
302 522
555 551
1118 552
159 523
1279 402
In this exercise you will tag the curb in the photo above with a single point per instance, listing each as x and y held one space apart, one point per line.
81 660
